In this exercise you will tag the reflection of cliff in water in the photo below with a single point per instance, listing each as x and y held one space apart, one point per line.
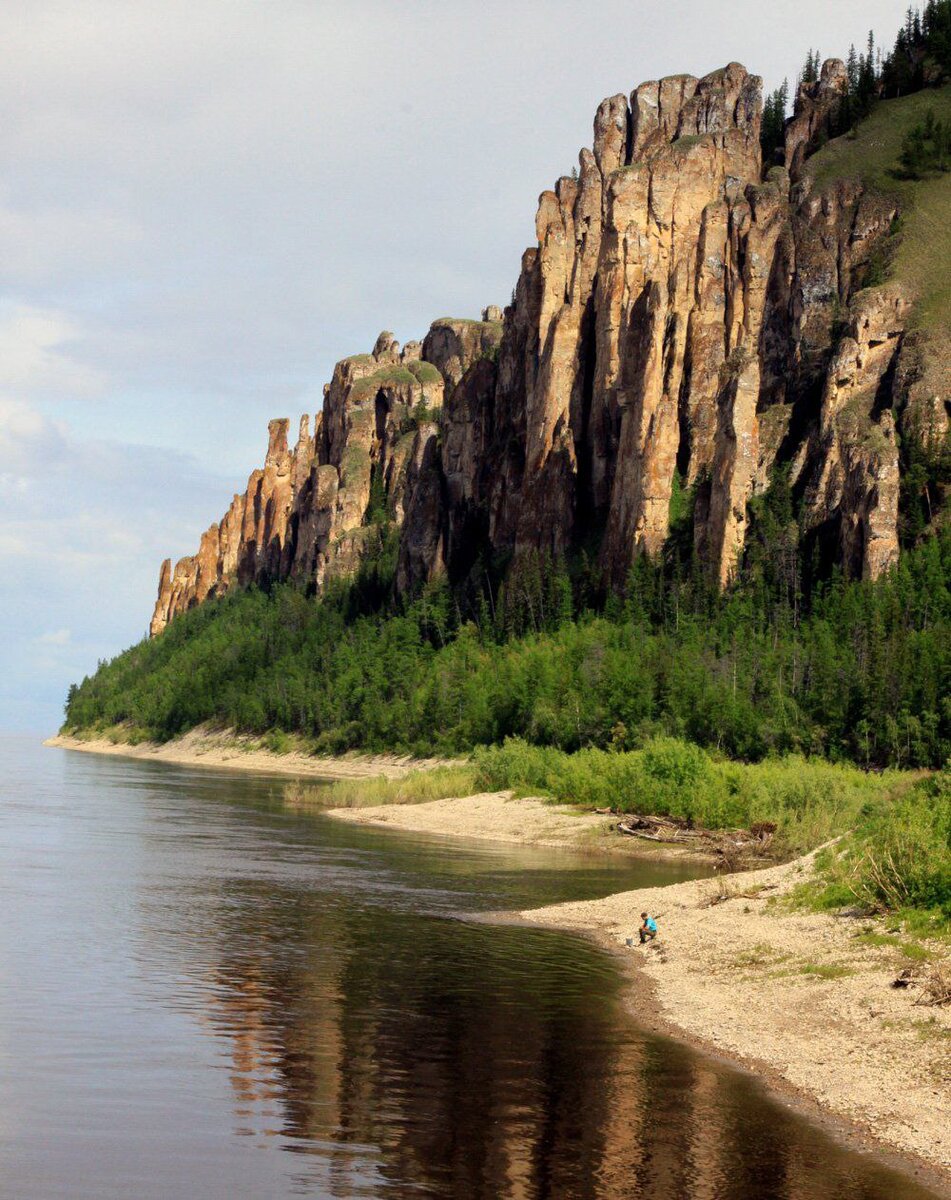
462 1060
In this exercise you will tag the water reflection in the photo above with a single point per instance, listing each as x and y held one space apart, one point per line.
464 1060
204 995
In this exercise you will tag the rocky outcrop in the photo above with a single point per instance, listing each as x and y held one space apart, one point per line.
816 110
682 325
856 476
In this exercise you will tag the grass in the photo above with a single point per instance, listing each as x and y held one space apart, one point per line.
896 859
436 783
466 321
425 372
931 1030
826 970
809 800
760 955
872 154
870 937
388 376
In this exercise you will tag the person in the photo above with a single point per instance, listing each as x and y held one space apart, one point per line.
648 929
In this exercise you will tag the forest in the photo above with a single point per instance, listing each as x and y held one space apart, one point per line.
850 670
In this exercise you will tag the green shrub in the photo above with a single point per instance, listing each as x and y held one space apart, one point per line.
899 856
278 742
810 801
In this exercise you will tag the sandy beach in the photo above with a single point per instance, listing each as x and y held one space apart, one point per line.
525 821
489 816
802 997
229 751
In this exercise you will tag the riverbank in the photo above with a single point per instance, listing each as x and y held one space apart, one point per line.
501 817
226 750
804 999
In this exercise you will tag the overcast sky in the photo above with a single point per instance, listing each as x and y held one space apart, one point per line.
203 205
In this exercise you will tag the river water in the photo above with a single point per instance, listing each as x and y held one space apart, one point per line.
203 995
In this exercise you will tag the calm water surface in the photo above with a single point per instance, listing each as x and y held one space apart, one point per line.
203 995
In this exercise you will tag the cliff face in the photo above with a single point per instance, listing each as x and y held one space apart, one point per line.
680 318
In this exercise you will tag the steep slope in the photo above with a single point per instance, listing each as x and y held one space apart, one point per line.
681 324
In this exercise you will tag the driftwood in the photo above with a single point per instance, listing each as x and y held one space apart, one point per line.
728 845
722 897
933 982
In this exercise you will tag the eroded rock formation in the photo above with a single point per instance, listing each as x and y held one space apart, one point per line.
683 323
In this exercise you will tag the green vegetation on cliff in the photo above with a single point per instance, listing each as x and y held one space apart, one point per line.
873 153
857 671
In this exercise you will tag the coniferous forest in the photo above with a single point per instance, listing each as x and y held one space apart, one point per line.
854 671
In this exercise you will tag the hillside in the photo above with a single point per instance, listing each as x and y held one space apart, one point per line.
923 249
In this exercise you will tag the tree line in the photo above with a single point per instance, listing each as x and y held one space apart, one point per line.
919 58
849 670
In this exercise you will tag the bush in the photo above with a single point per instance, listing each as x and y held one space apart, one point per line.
810 801
899 857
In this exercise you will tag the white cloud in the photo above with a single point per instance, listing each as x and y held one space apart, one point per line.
37 355
54 637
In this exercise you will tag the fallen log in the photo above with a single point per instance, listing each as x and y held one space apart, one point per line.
727 843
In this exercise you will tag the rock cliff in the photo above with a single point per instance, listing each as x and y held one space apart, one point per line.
682 323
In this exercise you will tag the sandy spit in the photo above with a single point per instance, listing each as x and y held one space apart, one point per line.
203 748
490 816
501 817
792 995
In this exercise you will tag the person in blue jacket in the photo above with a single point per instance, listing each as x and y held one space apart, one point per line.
648 929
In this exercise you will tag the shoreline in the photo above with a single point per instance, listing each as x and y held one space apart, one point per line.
791 997
788 995
642 1001
735 979
523 821
227 751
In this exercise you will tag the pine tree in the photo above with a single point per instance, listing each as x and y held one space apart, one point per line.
810 70
852 66
774 120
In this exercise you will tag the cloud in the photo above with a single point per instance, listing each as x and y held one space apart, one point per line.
85 524
54 637
36 355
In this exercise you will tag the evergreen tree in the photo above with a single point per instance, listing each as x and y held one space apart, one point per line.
811 68
774 121
926 149
852 67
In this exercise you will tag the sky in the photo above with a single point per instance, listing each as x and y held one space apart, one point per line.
205 204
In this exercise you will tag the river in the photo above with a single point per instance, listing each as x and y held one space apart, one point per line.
205 995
